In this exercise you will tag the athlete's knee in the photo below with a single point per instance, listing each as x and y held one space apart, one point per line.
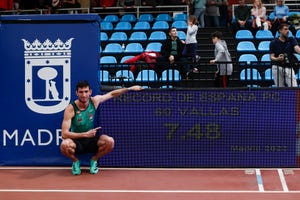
67 145
107 142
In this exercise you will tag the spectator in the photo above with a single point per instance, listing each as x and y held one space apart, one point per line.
224 17
213 13
171 53
190 48
128 3
199 11
6 5
107 3
71 4
150 2
258 12
281 13
242 17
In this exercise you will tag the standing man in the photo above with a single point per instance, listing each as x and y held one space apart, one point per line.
199 11
282 54
78 131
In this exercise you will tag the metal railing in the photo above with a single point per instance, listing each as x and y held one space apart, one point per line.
107 10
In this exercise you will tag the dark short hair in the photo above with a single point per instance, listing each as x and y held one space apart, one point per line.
170 29
217 34
82 84
281 26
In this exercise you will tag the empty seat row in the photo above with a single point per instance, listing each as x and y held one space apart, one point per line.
248 58
137 36
159 25
249 46
134 47
145 75
145 17
261 35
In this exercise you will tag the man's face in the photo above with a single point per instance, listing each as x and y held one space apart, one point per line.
284 31
279 2
242 2
173 32
84 94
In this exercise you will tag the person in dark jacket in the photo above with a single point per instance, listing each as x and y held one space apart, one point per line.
171 54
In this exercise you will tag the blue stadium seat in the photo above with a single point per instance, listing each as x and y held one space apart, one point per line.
128 18
123 59
163 17
250 74
111 18
153 46
134 47
113 48
297 56
244 35
264 46
123 26
246 46
264 35
248 58
180 25
146 18
181 35
268 74
138 36
290 34
298 34
160 25
104 76
146 75
106 26
157 35
141 26
180 17
118 36
108 61
170 75
124 76
265 58
103 37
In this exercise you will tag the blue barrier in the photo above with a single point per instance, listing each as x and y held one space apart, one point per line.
42 58
202 128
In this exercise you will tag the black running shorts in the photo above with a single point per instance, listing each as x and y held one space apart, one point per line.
86 145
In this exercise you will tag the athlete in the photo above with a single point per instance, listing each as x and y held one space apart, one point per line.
78 131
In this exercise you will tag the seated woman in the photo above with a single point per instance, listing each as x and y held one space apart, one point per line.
258 12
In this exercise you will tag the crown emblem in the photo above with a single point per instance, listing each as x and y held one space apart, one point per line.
36 45
47 48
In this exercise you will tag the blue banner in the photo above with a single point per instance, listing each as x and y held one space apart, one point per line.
42 58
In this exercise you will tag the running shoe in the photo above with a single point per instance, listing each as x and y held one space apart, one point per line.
76 168
93 167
